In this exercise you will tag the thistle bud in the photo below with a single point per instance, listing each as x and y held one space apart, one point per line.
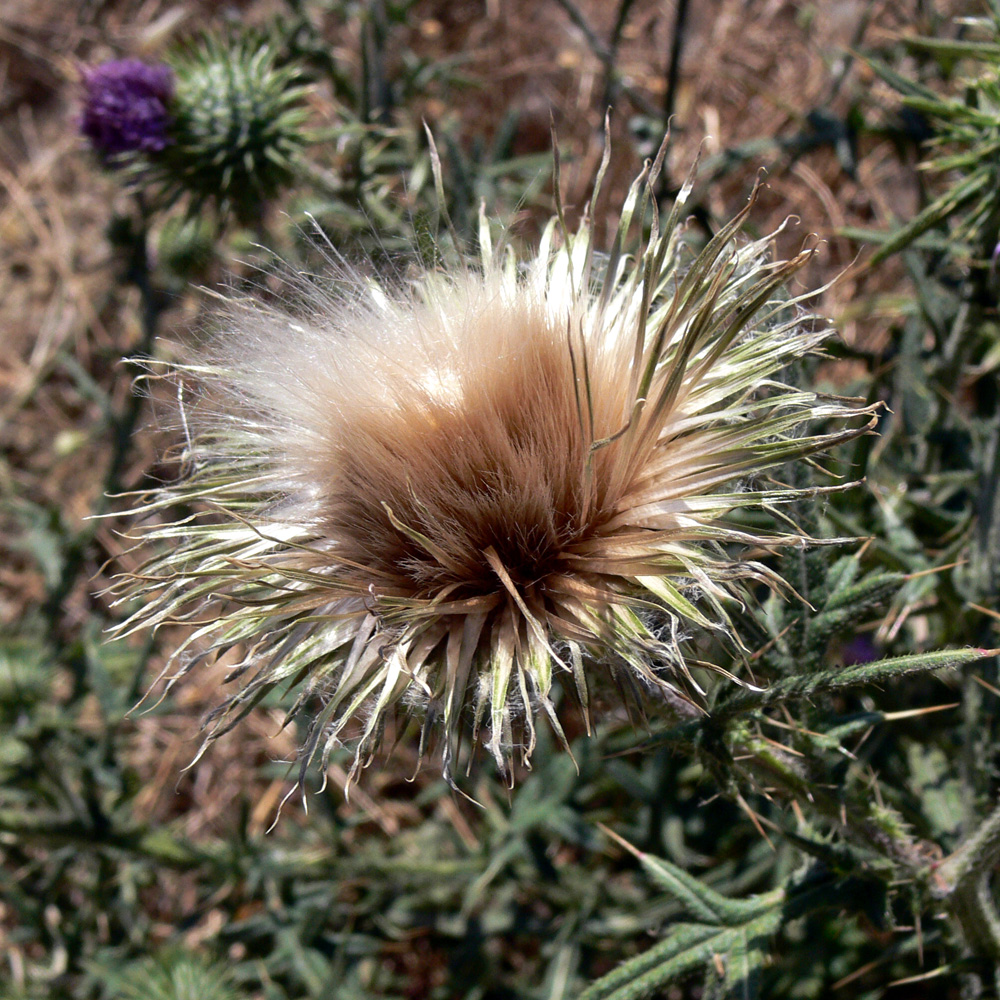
238 125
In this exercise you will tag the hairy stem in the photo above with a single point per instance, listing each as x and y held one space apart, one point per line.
966 879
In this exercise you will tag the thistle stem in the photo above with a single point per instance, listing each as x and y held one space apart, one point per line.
966 877
857 819
123 425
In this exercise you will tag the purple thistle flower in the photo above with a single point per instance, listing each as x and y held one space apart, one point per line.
125 107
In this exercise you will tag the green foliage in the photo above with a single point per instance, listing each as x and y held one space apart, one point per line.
965 144
730 941
173 976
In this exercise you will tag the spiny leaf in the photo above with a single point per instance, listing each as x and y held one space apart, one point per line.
955 48
939 209
688 947
849 605
899 82
705 903
790 688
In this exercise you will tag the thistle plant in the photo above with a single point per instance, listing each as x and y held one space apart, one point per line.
965 142
606 429
443 496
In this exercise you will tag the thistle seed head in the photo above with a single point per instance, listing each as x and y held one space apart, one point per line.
444 496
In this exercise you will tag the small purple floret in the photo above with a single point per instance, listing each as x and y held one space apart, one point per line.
860 649
126 107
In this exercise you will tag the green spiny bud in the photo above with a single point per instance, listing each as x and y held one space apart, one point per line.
238 124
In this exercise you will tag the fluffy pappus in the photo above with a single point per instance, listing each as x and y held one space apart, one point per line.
443 496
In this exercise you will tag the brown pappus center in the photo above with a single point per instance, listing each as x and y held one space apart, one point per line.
494 455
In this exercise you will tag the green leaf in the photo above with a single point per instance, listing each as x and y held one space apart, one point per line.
939 209
688 947
173 976
903 84
848 606
955 49
732 936
705 903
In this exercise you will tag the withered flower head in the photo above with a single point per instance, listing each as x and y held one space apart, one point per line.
442 497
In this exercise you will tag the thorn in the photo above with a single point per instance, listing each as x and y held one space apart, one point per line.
621 841
914 712
755 819
941 569
985 611
989 687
